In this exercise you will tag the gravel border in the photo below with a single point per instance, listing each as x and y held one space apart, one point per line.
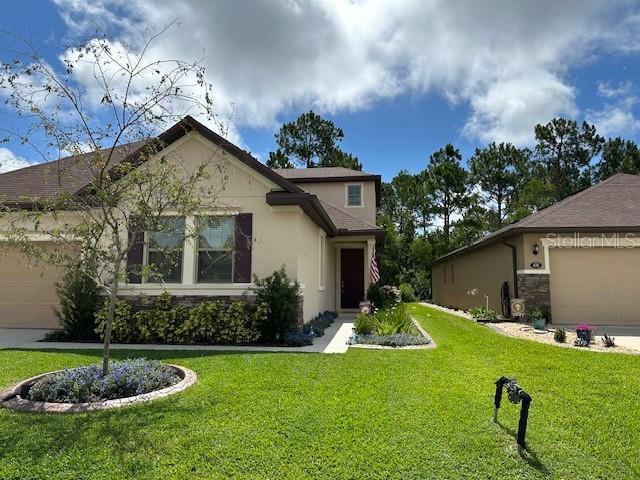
10 398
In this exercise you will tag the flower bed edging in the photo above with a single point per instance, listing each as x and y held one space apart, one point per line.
10 398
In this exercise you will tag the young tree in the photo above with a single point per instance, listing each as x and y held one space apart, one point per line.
618 156
132 183
496 170
448 185
565 150
311 141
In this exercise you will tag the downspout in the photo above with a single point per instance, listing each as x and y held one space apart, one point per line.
514 264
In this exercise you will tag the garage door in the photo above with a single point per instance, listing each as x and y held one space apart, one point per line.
600 286
27 292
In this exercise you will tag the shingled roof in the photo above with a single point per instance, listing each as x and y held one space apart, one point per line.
610 206
45 181
48 180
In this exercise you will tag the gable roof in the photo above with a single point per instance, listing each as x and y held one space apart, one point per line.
72 174
24 187
611 205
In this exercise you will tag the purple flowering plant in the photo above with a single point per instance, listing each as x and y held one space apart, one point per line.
126 378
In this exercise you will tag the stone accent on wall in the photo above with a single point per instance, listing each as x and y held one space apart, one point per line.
534 289
147 302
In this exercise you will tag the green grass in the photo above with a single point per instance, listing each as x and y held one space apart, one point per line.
366 414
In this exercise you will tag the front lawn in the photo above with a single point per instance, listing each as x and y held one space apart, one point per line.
365 414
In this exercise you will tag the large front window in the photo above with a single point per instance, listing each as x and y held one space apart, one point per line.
164 251
216 239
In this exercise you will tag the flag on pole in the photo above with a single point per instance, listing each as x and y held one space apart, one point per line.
374 273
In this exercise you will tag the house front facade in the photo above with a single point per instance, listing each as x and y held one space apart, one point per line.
580 257
317 223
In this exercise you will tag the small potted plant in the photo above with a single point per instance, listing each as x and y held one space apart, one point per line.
584 332
539 316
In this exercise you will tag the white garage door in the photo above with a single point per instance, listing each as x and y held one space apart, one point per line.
27 292
600 286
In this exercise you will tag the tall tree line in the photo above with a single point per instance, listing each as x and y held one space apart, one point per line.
451 203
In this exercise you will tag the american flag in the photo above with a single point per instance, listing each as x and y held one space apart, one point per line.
374 273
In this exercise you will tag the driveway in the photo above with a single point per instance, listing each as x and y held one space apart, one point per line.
17 337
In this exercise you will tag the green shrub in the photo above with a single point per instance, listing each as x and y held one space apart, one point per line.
407 295
541 312
483 314
79 297
280 294
208 323
560 335
385 322
383 296
365 324
123 328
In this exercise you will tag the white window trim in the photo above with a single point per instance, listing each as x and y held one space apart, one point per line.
322 259
346 195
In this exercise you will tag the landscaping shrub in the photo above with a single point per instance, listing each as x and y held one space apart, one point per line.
383 296
123 328
608 341
385 322
79 297
407 294
298 338
395 340
365 324
483 314
161 324
280 294
126 378
208 323
217 323
560 335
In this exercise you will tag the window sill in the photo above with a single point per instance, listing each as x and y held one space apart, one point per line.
187 289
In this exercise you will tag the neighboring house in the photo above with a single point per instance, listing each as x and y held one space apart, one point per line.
318 223
580 256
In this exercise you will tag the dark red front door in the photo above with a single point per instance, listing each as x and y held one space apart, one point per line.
351 277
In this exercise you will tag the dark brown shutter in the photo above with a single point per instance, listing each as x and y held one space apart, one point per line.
242 250
134 256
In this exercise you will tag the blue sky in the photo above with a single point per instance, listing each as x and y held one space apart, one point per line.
401 80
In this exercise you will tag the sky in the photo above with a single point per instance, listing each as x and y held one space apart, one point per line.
401 78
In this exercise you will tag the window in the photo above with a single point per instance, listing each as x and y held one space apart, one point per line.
216 239
354 195
322 256
164 250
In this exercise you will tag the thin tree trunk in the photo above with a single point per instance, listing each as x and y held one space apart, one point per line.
499 202
109 326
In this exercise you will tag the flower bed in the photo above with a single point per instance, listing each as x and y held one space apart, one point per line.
85 388
126 378
392 327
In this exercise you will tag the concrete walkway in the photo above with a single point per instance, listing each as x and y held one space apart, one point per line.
334 340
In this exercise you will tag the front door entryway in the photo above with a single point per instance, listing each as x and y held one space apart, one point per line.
351 277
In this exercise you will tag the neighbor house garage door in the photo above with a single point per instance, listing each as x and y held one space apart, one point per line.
27 292
600 286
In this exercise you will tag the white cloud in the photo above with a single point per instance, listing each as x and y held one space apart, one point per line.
10 161
617 116
507 62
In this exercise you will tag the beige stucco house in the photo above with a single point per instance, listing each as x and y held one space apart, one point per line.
319 223
580 257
